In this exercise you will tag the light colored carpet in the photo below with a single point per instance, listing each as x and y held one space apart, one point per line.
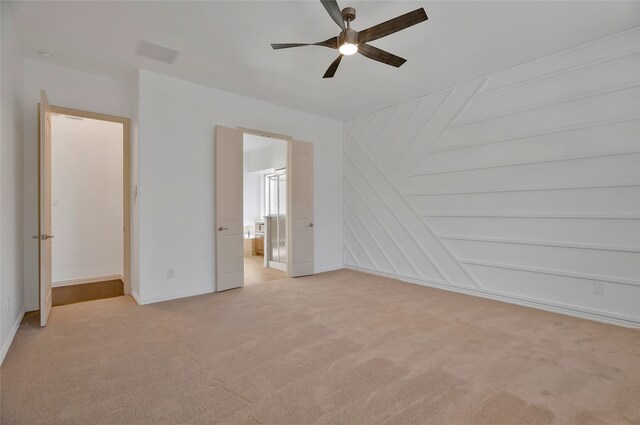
337 348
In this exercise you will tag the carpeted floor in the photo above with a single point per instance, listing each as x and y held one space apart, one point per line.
337 348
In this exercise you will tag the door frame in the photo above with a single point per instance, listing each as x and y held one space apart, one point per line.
281 266
126 179
289 141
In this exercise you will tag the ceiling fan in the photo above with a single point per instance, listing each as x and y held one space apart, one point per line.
350 41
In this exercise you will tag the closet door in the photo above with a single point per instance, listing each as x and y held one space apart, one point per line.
229 229
300 180
45 231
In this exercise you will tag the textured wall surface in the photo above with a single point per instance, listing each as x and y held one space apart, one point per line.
522 186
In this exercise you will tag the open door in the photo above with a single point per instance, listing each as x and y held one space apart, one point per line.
301 208
229 223
44 225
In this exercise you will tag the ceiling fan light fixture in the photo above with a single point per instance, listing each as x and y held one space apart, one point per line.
348 42
348 49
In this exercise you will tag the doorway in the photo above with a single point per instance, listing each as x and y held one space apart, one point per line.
89 202
294 239
264 208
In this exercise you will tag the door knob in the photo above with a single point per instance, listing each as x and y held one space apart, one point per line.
44 237
222 228
310 224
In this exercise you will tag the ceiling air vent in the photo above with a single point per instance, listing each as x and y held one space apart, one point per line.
156 51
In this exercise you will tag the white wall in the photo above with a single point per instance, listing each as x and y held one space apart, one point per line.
267 158
176 180
255 164
86 188
250 195
73 89
522 186
11 275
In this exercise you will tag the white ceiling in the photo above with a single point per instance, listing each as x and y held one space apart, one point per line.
226 44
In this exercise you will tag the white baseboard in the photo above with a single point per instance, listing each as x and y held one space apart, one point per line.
627 322
12 334
169 297
202 291
31 307
278 266
135 296
83 280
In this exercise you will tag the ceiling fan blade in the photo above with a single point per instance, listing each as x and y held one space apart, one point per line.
334 11
392 25
277 46
332 43
331 71
380 55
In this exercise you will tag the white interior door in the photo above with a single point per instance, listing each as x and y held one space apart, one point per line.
44 226
300 180
229 223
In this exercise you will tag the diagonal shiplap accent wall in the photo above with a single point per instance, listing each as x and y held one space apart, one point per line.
522 186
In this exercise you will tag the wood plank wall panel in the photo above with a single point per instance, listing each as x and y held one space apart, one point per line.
522 186
611 232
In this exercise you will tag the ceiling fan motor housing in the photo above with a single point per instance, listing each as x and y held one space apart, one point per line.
348 36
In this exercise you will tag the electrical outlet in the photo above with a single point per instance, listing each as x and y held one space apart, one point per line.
170 274
598 288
